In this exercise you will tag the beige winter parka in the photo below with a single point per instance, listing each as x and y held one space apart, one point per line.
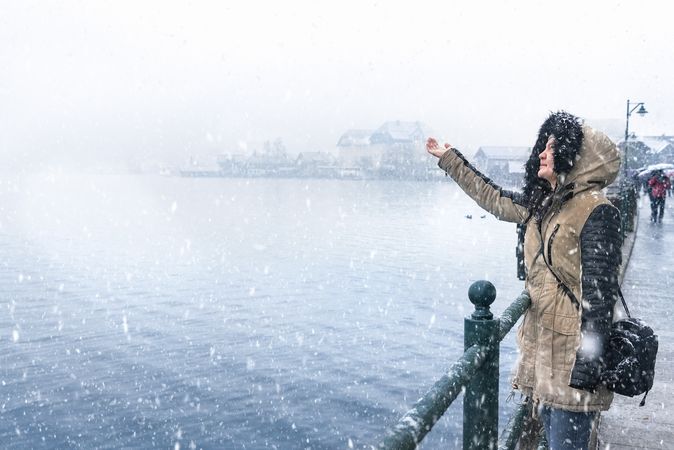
551 357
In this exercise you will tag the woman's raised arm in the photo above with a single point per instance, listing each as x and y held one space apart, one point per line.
506 205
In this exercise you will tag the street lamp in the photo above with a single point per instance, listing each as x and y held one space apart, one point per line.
641 112
628 193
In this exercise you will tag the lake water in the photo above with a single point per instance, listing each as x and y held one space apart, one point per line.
148 311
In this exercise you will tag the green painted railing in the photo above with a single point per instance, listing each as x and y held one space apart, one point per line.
476 374
623 195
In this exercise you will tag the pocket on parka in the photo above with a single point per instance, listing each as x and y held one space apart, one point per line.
560 323
559 339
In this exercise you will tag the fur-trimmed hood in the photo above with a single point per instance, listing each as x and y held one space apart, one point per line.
583 157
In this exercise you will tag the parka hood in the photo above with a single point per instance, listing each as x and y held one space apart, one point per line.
597 163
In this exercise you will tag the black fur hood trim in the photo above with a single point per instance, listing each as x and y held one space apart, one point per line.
568 132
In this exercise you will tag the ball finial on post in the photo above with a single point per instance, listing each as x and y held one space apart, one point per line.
482 294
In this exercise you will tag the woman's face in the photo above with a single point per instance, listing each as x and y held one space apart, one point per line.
547 168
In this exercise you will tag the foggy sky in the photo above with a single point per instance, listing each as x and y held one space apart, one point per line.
87 82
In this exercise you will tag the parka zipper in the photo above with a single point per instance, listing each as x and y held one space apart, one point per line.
552 238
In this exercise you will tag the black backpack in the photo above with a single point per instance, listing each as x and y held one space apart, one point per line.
630 357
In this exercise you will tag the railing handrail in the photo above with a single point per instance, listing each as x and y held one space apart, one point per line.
418 421
513 429
513 313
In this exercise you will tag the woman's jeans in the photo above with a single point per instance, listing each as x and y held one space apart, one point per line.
567 430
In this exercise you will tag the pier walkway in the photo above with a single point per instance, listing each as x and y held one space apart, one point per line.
648 287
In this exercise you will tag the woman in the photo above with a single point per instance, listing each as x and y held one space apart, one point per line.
572 252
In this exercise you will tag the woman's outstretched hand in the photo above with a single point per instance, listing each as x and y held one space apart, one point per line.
434 148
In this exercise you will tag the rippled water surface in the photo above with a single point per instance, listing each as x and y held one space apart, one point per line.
147 311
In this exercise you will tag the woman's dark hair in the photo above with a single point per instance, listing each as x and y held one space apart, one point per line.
568 132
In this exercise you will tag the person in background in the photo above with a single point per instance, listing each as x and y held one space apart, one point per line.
572 254
658 186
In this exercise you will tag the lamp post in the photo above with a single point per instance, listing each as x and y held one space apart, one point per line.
628 192
630 110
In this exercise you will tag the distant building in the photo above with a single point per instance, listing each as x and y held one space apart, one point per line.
316 164
504 165
660 148
645 150
397 132
396 148
354 148
256 165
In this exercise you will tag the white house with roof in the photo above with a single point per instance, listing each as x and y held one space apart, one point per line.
398 132
354 148
395 144
660 148
644 150
502 164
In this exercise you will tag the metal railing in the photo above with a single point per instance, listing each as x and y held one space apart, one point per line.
623 194
476 374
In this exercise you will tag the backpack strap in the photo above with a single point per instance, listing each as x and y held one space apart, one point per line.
622 298
643 400
572 296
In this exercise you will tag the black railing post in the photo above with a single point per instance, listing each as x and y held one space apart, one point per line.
630 208
480 403
624 207
627 198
